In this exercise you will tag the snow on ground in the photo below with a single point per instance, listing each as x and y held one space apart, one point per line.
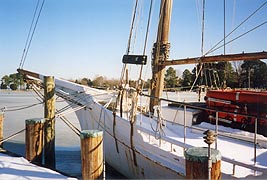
20 168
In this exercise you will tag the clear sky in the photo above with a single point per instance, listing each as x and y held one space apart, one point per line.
86 38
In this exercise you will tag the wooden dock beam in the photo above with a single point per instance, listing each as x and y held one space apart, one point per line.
197 163
1 127
49 129
91 154
34 140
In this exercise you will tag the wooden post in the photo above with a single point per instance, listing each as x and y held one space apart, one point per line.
1 127
197 163
34 140
49 114
91 154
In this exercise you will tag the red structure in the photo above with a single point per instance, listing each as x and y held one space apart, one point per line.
239 108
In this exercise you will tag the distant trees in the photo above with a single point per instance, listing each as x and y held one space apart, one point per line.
171 80
12 81
249 74
98 82
254 74
187 79
5 81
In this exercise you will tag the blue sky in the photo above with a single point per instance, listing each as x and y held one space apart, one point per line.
86 38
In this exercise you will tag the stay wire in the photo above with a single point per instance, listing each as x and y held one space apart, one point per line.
203 27
224 46
214 47
138 18
129 41
33 31
28 36
146 36
202 39
131 28
241 35
245 20
148 25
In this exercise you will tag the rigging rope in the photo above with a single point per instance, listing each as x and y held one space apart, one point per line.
70 125
17 108
11 136
29 38
146 37
129 41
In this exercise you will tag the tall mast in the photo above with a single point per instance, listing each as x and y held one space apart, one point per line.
160 53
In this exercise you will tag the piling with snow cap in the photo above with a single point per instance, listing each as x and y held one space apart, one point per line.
1 127
49 129
34 139
91 154
197 163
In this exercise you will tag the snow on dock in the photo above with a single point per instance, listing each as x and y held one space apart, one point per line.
20 168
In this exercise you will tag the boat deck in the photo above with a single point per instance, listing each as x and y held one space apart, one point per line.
241 156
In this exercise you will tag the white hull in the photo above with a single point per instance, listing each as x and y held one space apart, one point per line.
144 160
147 149
164 157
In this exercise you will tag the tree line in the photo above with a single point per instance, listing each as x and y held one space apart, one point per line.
15 81
12 81
247 74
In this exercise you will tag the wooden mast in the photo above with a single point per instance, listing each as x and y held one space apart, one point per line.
160 53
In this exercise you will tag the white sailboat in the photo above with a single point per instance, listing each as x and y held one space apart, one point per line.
144 141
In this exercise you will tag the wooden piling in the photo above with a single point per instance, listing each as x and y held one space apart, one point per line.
91 154
1 127
49 129
34 140
197 163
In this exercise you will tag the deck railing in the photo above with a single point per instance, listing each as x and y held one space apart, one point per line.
184 145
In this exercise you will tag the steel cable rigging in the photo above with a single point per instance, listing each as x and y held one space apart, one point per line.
133 26
216 47
146 36
129 41
31 32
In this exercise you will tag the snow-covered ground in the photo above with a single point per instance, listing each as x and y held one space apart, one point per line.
19 168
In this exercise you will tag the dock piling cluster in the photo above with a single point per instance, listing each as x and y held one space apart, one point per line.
40 138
